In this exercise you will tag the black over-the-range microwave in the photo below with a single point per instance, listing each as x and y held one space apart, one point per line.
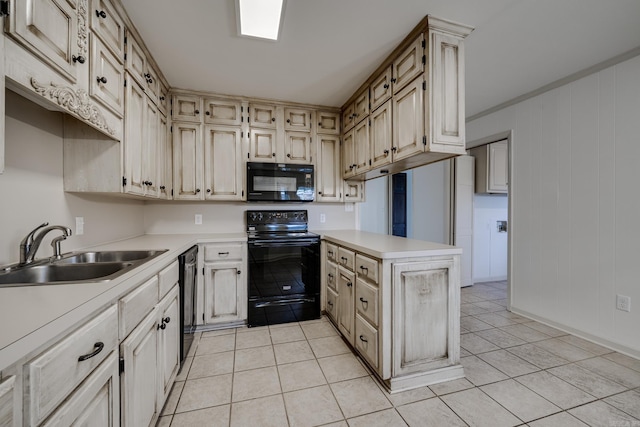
279 182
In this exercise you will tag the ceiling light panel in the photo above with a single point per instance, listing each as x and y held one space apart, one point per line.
260 18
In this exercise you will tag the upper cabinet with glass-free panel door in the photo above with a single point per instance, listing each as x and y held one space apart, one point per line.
223 169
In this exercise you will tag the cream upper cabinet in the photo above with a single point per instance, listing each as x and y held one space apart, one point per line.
381 135
151 159
262 145
348 155
165 156
348 118
354 191
492 168
136 60
297 119
262 116
328 122
380 89
328 172
134 147
408 120
297 147
106 82
108 26
186 108
361 106
222 112
361 141
408 65
49 28
223 163
163 98
187 161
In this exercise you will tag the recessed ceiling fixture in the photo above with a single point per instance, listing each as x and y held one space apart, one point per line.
259 18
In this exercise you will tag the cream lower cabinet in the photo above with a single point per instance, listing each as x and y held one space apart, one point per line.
492 168
149 363
224 284
328 176
401 314
9 411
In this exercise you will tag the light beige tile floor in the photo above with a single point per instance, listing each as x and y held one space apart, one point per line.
518 373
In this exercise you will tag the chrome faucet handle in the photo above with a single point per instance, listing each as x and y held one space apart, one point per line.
27 241
55 244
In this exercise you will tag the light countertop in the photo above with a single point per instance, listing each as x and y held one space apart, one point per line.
32 315
383 246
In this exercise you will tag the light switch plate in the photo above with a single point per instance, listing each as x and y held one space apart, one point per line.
623 303
198 219
79 225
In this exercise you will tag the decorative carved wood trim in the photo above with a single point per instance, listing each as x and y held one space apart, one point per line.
77 102
83 34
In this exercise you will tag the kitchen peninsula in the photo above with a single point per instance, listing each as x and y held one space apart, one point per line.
397 302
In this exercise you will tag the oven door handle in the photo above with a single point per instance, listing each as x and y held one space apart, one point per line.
280 243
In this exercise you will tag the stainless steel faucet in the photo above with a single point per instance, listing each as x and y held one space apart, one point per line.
31 242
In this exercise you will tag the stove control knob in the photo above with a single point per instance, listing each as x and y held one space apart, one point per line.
252 216
259 216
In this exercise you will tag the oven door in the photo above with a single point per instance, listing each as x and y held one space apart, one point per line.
284 281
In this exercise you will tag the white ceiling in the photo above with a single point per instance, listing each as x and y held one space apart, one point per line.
329 47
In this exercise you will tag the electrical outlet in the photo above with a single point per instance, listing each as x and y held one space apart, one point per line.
623 303
79 225
323 218
198 219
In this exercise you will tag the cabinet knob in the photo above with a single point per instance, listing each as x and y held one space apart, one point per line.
394 149
289 155
273 154
386 86
349 284
197 190
162 98
319 124
162 187
320 193
208 113
239 272
197 111
80 59
288 120
393 80
163 326
166 319
102 80
101 14
150 183
208 190
273 119
329 303
386 153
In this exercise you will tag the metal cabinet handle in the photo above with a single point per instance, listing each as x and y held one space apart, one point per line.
273 154
162 326
162 187
386 86
330 303
162 98
363 268
197 190
223 253
197 111
288 154
102 80
364 301
80 59
239 272
208 190
101 14
98 348
362 338
393 80
288 120
386 153
273 119
330 253
166 319
349 284
208 113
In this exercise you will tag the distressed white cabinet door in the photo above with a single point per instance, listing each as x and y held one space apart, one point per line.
361 142
106 77
354 191
262 116
8 416
165 159
223 163
297 147
186 108
348 117
49 28
262 145
134 144
222 112
498 167
408 120
108 26
346 301
139 381
297 119
328 176
224 292
95 402
328 122
151 161
348 155
380 89
361 106
425 293
136 60
408 65
163 98
168 343
381 135
187 161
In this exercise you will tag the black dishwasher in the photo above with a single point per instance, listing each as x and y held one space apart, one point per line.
188 264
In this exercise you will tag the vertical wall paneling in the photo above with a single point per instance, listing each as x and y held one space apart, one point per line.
575 203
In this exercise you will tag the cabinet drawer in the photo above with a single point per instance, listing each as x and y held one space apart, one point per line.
223 252
137 304
367 341
346 258
54 374
332 252
367 301
332 275
167 278
332 305
367 268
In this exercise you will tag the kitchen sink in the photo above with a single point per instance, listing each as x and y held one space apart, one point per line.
76 267
107 256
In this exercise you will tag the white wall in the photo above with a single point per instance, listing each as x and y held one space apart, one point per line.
489 246
430 203
374 211
31 188
178 217
575 203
